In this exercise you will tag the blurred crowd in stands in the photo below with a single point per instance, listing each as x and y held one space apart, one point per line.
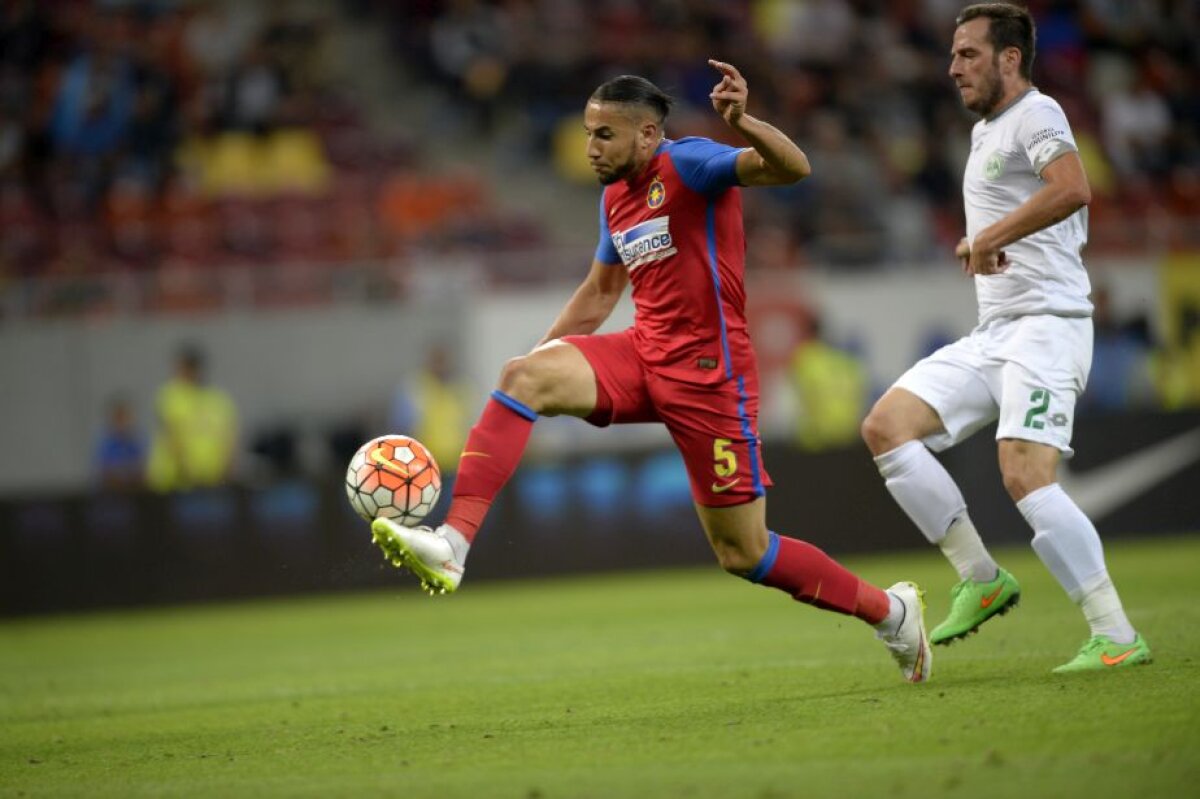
862 85
165 136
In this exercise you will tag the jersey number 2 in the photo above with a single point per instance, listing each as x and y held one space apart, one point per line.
1041 401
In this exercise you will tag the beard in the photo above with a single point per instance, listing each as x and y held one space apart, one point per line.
616 174
990 93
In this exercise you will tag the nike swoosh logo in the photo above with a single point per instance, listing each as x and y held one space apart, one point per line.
1107 661
717 488
387 463
466 453
1100 491
986 602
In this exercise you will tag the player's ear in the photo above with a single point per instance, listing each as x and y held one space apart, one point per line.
649 131
1012 58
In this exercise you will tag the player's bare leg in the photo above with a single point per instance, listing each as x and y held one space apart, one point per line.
746 548
924 490
554 379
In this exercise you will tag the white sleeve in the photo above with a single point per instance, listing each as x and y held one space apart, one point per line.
1045 134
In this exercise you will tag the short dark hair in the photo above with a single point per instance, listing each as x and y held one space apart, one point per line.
635 90
1008 26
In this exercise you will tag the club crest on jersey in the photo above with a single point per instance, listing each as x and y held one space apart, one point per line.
657 193
648 241
993 167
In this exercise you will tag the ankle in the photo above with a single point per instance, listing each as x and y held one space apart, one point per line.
459 544
466 515
894 618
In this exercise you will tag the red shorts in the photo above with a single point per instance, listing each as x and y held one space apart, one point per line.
715 427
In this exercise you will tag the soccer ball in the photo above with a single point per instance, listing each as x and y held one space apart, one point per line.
393 477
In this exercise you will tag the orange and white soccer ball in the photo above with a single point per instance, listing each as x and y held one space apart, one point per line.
393 477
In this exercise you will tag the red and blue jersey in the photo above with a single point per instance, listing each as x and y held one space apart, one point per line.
677 228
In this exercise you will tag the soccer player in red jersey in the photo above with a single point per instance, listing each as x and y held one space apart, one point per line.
670 224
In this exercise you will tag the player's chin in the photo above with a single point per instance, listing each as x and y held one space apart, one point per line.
979 105
607 178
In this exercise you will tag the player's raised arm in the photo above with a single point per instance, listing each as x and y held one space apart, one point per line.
775 159
592 302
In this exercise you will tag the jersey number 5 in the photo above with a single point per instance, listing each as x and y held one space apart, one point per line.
724 459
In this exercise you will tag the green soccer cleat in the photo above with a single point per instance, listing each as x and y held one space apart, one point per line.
1101 653
972 603
426 553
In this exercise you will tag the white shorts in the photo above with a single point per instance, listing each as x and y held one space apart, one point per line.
1026 371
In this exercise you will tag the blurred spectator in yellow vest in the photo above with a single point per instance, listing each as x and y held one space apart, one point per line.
832 388
435 407
1176 374
196 430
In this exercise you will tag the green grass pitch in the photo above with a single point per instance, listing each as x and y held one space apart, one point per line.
668 684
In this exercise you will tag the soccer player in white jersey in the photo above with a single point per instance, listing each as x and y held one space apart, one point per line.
1027 361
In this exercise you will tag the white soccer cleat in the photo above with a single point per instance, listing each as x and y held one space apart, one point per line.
426 553
909 644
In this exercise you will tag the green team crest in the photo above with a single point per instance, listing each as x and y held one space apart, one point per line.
993 167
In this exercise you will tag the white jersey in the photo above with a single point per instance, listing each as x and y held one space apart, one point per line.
1045 272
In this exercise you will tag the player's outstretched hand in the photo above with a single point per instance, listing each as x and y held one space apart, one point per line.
729 96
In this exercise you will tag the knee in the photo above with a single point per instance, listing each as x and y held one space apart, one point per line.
1025 467
737 562
881 431
739 557
1022 478
522 380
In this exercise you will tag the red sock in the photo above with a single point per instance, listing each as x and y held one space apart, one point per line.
493 450
811 576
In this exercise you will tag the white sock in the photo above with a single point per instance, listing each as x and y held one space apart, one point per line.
1063 537
895 616
1102 608
963 548
922 488
1067 542
926 492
